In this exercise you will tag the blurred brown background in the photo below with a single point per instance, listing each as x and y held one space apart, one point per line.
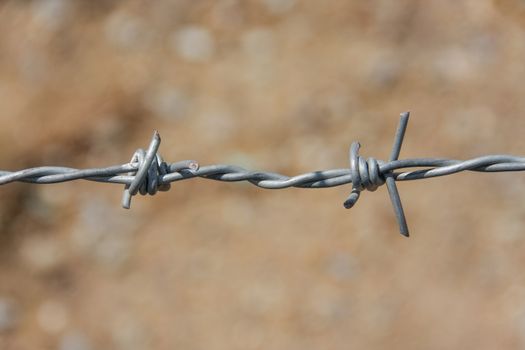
278 85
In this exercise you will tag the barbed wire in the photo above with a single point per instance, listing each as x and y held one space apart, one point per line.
148 173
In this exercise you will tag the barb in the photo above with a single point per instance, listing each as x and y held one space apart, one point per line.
147 173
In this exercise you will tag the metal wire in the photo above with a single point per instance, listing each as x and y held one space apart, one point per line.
147 173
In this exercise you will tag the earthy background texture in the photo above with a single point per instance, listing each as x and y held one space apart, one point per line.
278 85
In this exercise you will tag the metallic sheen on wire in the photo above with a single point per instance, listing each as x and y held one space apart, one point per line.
147 173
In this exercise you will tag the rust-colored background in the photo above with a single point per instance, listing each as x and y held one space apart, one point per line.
278 85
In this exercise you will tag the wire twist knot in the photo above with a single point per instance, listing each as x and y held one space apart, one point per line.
150 168
366 174
150 183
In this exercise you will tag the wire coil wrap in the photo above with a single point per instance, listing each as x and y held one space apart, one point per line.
365 174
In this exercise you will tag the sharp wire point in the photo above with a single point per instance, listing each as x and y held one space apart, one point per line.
390 181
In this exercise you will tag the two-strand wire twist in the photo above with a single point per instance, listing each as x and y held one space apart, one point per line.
147 173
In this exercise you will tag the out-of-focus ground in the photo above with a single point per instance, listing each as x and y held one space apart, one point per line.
278 85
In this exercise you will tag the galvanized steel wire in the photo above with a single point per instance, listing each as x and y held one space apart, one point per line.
147 173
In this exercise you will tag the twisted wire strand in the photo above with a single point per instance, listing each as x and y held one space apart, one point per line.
148 173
